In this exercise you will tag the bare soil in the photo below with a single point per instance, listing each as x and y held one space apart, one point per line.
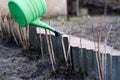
19 64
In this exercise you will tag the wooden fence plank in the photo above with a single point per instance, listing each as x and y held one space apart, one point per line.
75 59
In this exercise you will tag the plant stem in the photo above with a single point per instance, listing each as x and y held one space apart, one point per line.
50 54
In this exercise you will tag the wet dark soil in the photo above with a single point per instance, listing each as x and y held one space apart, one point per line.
19 64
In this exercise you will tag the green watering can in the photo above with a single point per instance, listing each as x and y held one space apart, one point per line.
27 12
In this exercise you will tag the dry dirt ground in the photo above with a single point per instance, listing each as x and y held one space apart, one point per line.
86 26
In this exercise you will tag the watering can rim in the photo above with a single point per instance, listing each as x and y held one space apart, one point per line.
14 2
43 4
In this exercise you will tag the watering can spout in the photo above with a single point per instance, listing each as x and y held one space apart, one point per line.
45 26
57 33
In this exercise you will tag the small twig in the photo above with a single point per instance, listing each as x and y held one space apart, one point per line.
51 46
41 45
6 26
2 32
50 54
19 34
81 49
108 30
13 33
25 37
99 56
99 61
64 50
22 36
27 32
69 39
96 53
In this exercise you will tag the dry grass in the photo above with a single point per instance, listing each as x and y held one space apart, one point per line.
9 29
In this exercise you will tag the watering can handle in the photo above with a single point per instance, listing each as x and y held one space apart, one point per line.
45 26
